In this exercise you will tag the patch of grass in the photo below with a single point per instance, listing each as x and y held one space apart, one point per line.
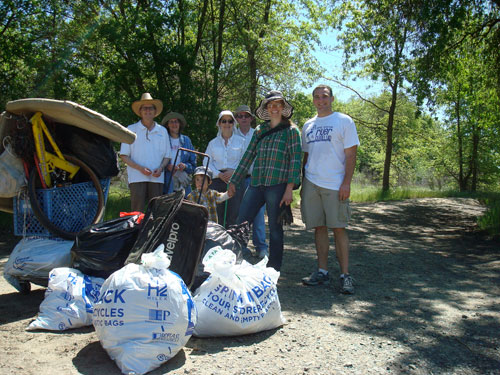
118 201
490 221
376 194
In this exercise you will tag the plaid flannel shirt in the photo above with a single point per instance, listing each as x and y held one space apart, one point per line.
210 199
277 158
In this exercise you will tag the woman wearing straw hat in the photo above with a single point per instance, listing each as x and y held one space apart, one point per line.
225 152
276 149
186 161
148 155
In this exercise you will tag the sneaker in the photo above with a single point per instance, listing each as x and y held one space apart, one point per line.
263 253
347 285
316 278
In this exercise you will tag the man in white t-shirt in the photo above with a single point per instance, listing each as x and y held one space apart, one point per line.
329 141
148 155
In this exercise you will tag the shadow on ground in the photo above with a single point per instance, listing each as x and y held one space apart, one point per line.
418 272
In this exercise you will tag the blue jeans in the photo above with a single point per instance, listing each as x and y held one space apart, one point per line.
258 227
253 200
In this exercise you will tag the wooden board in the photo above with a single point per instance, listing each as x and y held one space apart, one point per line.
70 113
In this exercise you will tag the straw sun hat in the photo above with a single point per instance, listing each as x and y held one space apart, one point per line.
146 98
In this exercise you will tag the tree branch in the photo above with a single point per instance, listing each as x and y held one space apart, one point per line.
357 93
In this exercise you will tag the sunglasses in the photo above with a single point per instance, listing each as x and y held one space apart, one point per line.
226 121
245 115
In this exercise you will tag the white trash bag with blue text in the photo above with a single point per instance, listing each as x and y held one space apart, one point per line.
36 257
236 299
69 300
145 314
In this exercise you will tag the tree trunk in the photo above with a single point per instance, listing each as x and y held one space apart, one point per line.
461 180
388 146
474 158
252 72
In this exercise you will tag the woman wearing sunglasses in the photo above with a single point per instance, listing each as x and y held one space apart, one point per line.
225 152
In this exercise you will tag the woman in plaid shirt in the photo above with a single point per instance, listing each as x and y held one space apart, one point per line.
276 149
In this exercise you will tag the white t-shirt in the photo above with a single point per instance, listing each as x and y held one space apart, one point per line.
175 143
324 139
224 156
148 149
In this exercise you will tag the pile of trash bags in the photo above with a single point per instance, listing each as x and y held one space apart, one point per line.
147 283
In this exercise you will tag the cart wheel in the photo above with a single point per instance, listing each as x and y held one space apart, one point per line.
25 287
34 184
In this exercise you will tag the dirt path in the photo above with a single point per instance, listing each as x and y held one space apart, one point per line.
426 302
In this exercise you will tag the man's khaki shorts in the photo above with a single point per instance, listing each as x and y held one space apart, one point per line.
321 207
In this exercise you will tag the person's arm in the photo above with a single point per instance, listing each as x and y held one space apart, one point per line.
221 197
190 160
132 164
295 152
304 162
350 164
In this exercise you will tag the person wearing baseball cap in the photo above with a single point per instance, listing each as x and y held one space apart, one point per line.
147 157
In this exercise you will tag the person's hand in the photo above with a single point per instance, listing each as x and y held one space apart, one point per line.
287 197
226 176
170 167
157 172
344 192
231 190
146 171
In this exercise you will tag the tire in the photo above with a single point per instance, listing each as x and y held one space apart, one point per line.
34 184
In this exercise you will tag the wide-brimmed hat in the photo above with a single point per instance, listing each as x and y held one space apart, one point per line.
225 113
243 108
146 98
178 116
201 171
262 112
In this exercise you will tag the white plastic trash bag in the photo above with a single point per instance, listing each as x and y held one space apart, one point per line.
69 300
145 314
12 172
236 299
36 257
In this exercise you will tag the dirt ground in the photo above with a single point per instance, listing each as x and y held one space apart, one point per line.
426 302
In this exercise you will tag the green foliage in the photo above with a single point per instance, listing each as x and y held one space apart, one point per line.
490 221
371 193
118 201
303 108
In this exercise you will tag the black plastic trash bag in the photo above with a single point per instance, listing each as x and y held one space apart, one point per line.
94 150
235 238
179 225
101 249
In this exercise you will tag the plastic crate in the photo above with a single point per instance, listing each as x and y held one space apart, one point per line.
70 208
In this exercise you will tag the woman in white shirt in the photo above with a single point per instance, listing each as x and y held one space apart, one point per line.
225 152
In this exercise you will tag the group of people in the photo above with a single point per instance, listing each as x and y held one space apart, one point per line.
250 171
